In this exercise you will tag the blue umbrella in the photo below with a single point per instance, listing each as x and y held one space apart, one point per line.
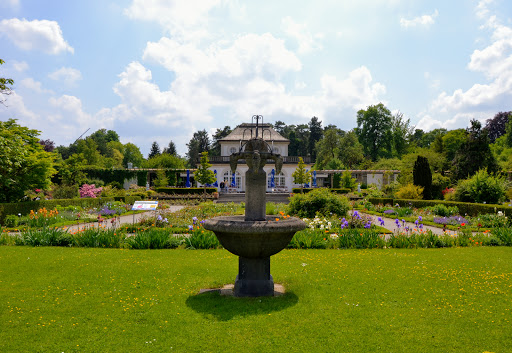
307 184
314 178
272 177
187 184
233 181
215 184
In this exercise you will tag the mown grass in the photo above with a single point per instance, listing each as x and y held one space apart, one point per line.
55 299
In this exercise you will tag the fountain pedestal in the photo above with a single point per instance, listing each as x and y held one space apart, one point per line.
254 278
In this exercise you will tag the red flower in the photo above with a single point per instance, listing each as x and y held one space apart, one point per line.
463 224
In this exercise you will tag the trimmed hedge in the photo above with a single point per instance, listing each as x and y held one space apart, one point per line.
297 190
465 208
341 190
25 207
185 191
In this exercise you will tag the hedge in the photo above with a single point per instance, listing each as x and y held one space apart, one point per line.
298 190
341 190
185 191
24 208
465 208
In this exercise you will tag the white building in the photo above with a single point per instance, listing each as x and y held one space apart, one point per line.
284 181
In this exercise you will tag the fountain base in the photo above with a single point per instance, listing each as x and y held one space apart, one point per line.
254 278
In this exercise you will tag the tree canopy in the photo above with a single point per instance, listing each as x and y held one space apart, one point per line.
374 130
24 164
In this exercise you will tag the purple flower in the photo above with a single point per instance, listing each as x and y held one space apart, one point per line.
381 221
190 227
368 225
389 211
420 218
194 219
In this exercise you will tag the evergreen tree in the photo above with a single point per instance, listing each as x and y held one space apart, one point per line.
171 149
422 176
315 134
200 142
155 150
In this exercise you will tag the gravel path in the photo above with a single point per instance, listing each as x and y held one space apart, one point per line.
128 219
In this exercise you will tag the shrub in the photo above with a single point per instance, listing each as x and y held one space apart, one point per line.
11 221
99 238
89 190
320 201
410 191
481 188
347 181
308 239
202 239
153 239
422 176
504 235
65 192
45 236
443 210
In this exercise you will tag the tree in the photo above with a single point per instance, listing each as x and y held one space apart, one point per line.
200 142
24 164
351 151
170 149
89 149
422 176
219 135
315 134
401 132
165 160
452 142
4 85
203 174
161 179
300 175
474 154
155 150
132 154
48 145
327 148
102 137
71 172
374 130
496 127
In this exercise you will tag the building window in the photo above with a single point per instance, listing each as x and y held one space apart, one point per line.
276 150
279 180
228 178
232 150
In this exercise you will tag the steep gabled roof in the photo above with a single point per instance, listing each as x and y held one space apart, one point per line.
243 132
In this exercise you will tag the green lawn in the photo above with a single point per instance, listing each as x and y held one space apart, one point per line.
112 300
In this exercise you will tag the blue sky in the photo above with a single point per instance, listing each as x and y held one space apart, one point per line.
157 70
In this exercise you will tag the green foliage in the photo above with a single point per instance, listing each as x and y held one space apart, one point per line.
439 183
374 130
46 236
300 175
504 235
154 238
202 239
360 239
4 85
474 154
185 191
482 187
308 239
99 238
203 174
422 176
327 149
347 181
11 221
166 161
24 164
443 210
336 180
352 151
320 201
410 191
161 178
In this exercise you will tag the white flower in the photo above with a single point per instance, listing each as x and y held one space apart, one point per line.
334 236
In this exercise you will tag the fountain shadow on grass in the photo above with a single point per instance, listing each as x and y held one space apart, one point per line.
225 308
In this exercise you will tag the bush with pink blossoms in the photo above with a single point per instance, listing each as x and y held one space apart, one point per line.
89 190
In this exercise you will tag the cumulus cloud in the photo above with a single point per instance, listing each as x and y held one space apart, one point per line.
42 35
420 21
33 85
19 66
306 41
67 75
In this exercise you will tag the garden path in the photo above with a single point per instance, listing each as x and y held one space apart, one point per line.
389 223
128 219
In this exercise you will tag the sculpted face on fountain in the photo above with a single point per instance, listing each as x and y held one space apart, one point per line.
256 154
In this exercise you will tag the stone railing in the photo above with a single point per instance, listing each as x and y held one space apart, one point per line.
286 160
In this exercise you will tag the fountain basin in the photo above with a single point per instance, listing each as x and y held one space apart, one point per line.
254 239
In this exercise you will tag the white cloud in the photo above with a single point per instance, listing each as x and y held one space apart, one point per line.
67 75
19 66
16 109
420 21
33 85
40 35
300 33
495 62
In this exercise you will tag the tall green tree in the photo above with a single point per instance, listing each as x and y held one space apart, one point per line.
24 164
102 137
351 151
474 154
327 148
374 130
200 142
401 132
5 86
315 134
132 154
203 174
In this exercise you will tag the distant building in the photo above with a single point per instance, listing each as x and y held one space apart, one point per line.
279 145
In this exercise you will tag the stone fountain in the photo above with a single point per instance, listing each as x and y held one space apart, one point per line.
254 237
